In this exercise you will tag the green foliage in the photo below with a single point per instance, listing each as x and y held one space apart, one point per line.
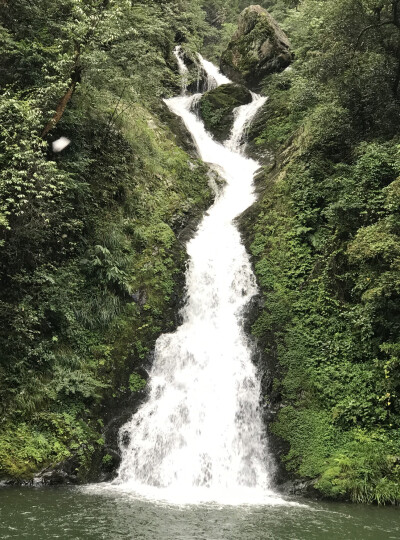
312 439
136 382
107 459
327 262
90 260
325 240
49 439
367 469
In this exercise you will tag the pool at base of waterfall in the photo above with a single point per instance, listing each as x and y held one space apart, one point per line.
71 513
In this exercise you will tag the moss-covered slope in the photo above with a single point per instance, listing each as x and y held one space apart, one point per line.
324 238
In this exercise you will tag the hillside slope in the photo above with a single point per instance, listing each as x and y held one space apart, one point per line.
91 260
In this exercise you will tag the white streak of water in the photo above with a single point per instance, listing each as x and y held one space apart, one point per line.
183 70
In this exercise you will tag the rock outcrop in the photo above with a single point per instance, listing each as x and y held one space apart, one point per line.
259 47
216 108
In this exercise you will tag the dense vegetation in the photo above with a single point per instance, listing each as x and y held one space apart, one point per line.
90 255
325 239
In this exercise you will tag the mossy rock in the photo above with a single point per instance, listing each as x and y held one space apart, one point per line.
258 48
216 108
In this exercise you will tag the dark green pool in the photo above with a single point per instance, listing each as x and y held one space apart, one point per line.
69 513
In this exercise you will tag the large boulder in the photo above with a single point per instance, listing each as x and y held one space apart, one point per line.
259 47
216 108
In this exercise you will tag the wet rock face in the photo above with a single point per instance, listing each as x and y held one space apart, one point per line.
259 47
216 108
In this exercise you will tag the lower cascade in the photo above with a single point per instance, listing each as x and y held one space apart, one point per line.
199 436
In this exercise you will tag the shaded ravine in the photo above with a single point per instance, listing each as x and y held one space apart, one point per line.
199 437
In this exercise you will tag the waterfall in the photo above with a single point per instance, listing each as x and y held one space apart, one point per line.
199 436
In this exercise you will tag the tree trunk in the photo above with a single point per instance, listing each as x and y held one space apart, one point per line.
75 74
75 78
397 79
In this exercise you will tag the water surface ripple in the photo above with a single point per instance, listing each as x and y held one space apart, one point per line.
70 514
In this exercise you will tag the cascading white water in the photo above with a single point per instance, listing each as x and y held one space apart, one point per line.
183 70
199 436
214 76
243 117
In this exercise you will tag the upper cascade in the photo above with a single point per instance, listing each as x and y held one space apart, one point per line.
197 74
259 47
183 70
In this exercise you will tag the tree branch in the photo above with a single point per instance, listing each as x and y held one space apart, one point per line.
384 23
75 74
75 78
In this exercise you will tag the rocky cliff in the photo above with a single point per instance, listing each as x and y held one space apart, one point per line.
258 48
